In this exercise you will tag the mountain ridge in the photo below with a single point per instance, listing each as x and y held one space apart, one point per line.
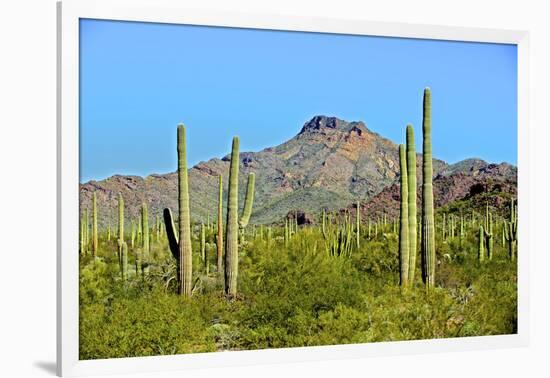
329 164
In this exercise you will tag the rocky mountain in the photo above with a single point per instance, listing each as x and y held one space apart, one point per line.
447 189
329 164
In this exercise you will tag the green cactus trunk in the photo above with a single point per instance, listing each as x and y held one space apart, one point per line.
219 243
185 249
232 224
133 234
428 229
412 196
94 226
82 235
203 242
286 236
86 231
511 232
488 231
120 227
358 224
481 248
443 227
145 239
404 220
124 261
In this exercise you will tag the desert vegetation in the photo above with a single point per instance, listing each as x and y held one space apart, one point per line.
185 285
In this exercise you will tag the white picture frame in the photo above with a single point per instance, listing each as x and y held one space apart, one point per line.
171 11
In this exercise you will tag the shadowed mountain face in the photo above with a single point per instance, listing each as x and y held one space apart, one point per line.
329 164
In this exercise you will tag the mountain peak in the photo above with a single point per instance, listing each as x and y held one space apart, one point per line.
322 123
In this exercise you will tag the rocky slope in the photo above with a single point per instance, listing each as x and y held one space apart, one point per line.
329 164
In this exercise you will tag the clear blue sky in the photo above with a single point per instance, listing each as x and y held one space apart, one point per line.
139 80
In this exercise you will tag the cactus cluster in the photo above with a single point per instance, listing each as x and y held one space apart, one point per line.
339 235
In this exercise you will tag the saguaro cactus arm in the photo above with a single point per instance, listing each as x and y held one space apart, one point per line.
171 233
248 202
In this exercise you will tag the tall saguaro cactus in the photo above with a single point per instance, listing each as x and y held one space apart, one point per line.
220 226
120 217
120 227
180 242
411 177
404 220
94 225
428 228
232 224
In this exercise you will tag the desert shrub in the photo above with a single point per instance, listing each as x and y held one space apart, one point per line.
295 296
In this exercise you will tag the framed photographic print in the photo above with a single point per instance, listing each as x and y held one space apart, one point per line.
253 188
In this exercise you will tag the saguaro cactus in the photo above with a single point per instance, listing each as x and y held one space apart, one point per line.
511 231
145 239
358 224
94 225
133 233
124 261
404 220
120 217
220 226
481 249
81 234
180 243
428 229
86 231
411 184
120 226
488 232
204 249
232 224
